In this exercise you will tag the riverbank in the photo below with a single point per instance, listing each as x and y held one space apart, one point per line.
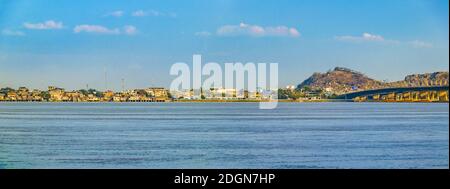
229 101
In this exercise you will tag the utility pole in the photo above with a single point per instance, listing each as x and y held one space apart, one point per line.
123 85
106 82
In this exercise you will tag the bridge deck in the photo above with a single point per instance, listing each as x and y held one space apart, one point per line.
391 90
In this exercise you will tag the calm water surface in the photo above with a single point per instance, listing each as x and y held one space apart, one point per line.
223 135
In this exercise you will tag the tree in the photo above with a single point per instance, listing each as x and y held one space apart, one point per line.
83 91
306 88
142 92
202 96
6 90
45 95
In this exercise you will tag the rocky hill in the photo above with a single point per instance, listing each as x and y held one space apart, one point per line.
340 80
344 80
427 79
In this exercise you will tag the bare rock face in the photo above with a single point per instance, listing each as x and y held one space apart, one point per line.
427 79
344 80
340 80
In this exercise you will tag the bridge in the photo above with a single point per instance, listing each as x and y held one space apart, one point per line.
401 94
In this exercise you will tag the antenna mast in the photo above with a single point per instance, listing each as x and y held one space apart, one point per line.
123 85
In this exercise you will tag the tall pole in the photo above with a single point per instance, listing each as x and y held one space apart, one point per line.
106 83
123 85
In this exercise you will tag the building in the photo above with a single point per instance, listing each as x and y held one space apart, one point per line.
120 97
158 94
92 98
12 96
290 87
223 94
56 94
74 96
36 95
184 94
108 96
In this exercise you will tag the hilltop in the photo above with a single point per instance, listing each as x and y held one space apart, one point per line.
340 80
343 80
426 79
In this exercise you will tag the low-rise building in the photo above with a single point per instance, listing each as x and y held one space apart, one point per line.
223 94
158 94
12 96
108 96
56 94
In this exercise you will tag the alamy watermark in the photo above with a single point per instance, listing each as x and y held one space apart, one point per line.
260 84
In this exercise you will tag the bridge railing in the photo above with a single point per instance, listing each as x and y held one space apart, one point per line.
394 90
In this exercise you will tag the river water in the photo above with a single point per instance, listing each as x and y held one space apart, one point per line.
224 135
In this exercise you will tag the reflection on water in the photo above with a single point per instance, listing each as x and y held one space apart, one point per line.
223 135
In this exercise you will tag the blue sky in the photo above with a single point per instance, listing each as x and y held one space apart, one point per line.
72 43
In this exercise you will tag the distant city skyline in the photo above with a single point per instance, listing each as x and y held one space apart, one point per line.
72 44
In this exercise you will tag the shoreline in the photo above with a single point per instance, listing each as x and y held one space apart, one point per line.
225 101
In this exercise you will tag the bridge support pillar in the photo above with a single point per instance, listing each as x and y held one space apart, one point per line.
402 94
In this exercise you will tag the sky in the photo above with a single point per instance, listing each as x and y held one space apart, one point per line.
72 44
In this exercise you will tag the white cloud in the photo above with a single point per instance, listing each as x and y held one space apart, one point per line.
244 29
420 44
139 13
143 13
117 13
129 30
362 38
8 32
371 37
367 37
47 25
203 34
95 29
155 13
